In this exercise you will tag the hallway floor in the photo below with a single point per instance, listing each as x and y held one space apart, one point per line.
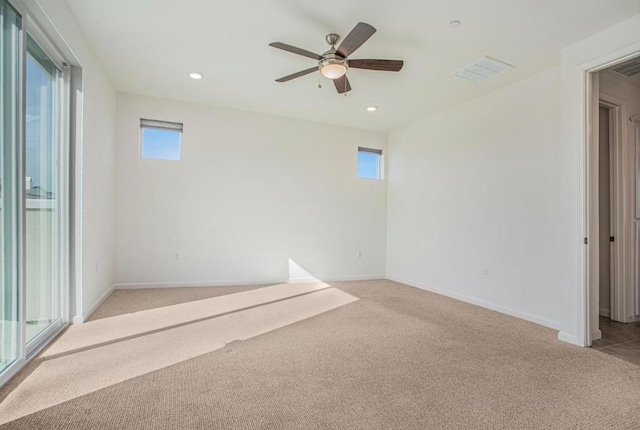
620 340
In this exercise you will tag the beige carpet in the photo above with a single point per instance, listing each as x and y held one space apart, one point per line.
397 358
73 367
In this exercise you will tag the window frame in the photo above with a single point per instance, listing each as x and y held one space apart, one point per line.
380 170
153 124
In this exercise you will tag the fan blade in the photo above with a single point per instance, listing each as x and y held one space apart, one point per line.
297 74
295 50
360 34
382 65
342 84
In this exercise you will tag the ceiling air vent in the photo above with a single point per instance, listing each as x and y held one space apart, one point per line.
482 69
628 69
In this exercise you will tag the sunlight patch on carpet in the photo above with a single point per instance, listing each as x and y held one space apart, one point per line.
122 326
69 376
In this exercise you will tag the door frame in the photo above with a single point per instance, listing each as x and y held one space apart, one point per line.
613 109
599 51
621 210
635 120
622 251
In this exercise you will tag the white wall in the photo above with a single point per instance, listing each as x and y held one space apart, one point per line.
251 192
96 153
477 187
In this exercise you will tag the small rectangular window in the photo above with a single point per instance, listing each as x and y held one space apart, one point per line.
369 163
160 140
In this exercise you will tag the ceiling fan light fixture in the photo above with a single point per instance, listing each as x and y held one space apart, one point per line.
333 68
333 71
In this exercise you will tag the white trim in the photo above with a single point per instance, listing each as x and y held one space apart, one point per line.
352 278
76 158
487 305
592 186
604 312
145 285
565 337
596 335
80 319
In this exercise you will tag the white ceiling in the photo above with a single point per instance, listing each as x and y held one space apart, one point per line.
148 47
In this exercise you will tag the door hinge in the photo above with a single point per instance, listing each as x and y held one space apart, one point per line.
611 239
586 241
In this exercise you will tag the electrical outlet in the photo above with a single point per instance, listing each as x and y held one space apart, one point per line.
359 254
485 273
177 256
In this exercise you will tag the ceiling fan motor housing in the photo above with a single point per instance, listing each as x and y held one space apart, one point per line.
332 39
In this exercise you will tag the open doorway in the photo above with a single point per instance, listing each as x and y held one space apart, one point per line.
613 176
607 123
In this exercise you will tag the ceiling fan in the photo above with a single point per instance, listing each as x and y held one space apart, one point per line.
333 64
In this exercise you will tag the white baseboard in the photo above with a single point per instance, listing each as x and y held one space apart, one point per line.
605 312
565 337
481 303
144 285
596 335
80 319
355 278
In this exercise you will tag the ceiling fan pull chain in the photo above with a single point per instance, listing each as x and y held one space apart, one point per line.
319 80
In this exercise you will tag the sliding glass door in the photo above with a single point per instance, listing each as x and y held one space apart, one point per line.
34 197
42 192
10 119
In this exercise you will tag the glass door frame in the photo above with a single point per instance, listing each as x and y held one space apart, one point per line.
63 201
15 260
61 139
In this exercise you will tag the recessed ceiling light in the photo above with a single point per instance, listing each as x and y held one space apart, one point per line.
195 75
372 108
454 24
